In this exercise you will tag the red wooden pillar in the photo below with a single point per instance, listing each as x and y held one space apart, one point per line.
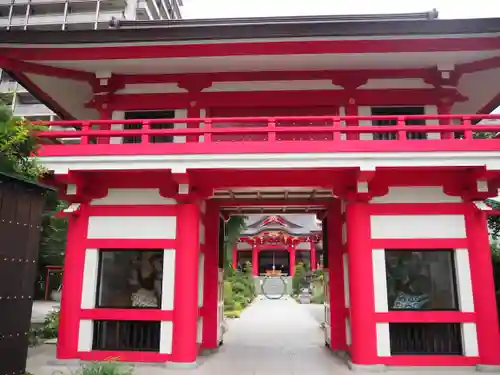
255 260
313 256
69 323
235 257
361 287
185 316
291 251
336 278
483 286
211 279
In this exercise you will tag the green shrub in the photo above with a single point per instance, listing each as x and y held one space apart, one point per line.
318 297
50 326
232 314
299 279
105 368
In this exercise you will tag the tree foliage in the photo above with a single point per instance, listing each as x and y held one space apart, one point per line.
18 144
234 227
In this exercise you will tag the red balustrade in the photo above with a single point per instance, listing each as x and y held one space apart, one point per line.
272 134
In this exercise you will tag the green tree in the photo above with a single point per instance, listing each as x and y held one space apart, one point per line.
234 227
18 143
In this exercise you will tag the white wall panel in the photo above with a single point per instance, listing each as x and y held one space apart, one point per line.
464 281
202 233
417 226
85 335
345 264
90 275
166 337
416 194
168 281
132 227
383 340
379 280
469 340
201 279
133 197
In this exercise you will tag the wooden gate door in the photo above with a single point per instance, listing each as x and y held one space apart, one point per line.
21 206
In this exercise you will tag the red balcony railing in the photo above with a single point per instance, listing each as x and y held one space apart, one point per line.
274 134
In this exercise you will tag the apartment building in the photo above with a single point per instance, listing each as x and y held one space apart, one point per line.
69 15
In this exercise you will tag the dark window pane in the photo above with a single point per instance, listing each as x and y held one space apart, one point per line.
398 111
128 335
425 338
421 280
149 115
130 279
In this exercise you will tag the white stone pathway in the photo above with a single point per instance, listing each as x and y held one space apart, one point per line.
272 337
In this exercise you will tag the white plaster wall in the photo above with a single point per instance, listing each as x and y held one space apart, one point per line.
168 281
199 330
348 336
379 280
85 335
151 88
417 226
432 110
365 111
166 337
464 281
117 115
202 233
132 227
383 340
90 275
343 136
324 84
180 114
201 279
394 83
416 194
469 340
345 264
132 197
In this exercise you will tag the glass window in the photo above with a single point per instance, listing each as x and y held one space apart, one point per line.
421 280
130 279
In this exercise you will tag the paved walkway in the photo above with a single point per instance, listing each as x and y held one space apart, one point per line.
271 337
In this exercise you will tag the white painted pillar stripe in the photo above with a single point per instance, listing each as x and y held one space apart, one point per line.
469 340
166 337
383 340
168 282
464 281
85 335
201 279
379 280
345 264
90 275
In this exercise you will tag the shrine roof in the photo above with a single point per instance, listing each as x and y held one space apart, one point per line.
296 224
123 31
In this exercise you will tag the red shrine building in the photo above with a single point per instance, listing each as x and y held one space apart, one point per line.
374 124
275 244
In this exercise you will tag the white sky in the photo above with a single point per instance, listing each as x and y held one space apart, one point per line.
260 8
263 8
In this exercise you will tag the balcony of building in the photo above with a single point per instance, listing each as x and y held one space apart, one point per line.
275 142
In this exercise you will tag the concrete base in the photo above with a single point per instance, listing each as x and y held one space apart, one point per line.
182 365
366 368
488 368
